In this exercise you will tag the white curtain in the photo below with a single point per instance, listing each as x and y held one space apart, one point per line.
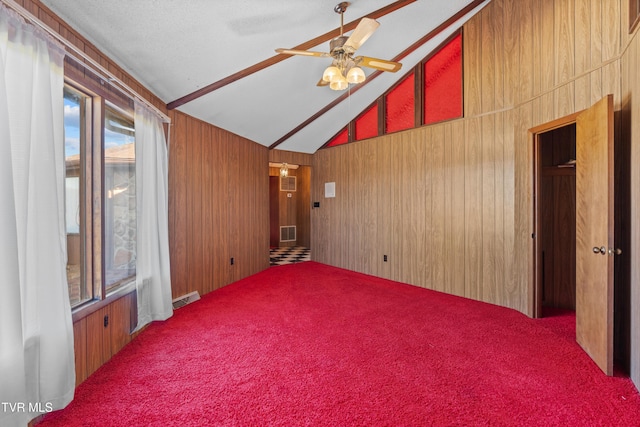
37 371
153 274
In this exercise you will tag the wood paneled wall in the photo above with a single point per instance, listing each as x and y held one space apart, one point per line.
280 156
451 204
218 206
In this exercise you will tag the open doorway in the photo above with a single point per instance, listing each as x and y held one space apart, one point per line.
597 187
555 171
289 214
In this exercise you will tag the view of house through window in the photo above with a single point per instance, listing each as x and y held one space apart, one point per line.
119 198
100 198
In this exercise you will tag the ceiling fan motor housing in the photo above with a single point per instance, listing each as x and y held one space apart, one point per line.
337 46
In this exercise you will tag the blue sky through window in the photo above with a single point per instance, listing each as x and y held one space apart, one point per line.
72 129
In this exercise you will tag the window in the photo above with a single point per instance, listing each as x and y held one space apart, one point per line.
341 138
443 83
400 106
100 196
367 124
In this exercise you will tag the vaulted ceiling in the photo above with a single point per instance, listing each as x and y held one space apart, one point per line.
215 60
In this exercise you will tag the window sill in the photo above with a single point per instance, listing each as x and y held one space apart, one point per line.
89 307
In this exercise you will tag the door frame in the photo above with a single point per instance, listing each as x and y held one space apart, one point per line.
535 282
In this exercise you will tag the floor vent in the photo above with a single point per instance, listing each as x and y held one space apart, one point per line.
186 299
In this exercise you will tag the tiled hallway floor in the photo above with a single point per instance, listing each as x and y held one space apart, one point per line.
288 255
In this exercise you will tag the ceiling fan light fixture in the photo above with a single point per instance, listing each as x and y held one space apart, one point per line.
330 73
356 75
339 83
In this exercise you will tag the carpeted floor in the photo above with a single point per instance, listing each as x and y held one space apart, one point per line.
308 344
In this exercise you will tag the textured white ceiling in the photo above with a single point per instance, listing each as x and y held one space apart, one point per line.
175 47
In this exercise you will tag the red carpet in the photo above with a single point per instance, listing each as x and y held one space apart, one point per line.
309 344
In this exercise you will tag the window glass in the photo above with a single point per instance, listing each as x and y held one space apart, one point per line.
75 125
400 106
443 83
367 124
341 138
119 198
100 197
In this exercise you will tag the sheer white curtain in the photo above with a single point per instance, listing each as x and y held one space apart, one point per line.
152 206
37 371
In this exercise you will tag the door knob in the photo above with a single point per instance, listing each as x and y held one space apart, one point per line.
599 250
616 251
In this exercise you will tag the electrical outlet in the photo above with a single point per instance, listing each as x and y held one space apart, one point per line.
385 258
232 260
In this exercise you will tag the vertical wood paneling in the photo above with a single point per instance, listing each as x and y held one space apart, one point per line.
383 188
523 204
611 12
98 340
473 209
303 206
596 86
511 64
472 51
80 350
564 98
547 46
488 290
488 58
582 36
499 55
195 256
448 222
510 292
583 92
498 223
596 24
425 206
564 40
219 202
457 195
219 199
120 322
435 239
355 194
526 49
396 164
209 164
178 198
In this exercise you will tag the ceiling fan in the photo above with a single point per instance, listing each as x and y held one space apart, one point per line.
345 68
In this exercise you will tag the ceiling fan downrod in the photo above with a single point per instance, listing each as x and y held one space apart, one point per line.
341 8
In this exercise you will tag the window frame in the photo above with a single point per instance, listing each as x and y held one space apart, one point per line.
99 97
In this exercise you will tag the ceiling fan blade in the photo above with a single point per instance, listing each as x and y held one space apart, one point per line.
301 52
363 31
378 64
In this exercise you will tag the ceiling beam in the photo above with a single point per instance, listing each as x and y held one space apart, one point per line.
373 75
281 57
